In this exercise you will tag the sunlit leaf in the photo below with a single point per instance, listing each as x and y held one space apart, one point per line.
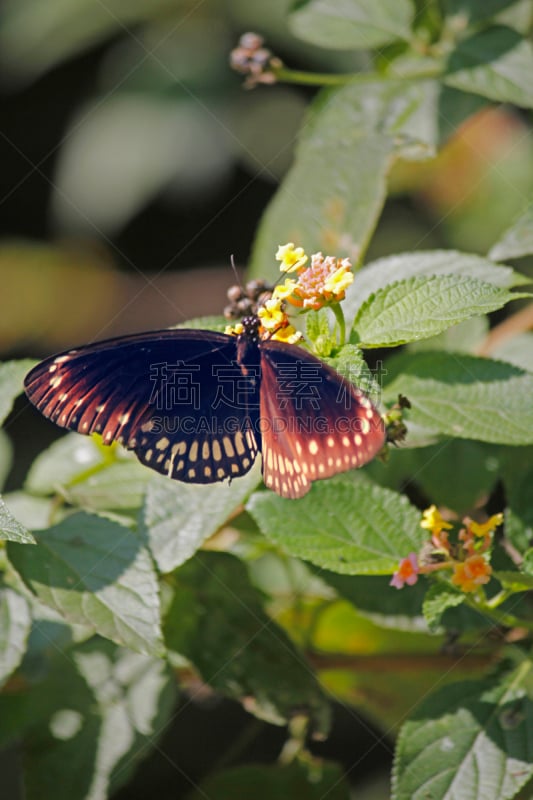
15 622
517 241
11 377
179 517
350 527
95 572
421 307
378 274
11 529
351 24
333 204
468 397
469 740
439 598
495 63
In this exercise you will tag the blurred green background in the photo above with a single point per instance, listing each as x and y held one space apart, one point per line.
131 155
133 166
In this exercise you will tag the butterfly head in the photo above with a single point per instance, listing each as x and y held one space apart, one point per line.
251 328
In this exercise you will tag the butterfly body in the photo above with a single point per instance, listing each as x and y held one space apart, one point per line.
198 406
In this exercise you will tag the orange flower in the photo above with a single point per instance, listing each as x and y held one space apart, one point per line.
407 572
470 574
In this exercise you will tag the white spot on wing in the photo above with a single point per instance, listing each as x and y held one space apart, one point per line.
228 447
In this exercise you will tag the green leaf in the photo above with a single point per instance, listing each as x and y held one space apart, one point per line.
420 307
466 397
66 459
517 241
517 476
527 564
457 473
86 473
179 517
32 512
15 623
351 24
378 274
217 621
12 375
12 530
62 726
517 530
473 11
469 740
351 527
465 337
121 485
135 697
6 457
517 581
95 572
439 598
333 204
495 63
516 14
210 323
517 351
350 363
313 782
402 611
375 598
98 711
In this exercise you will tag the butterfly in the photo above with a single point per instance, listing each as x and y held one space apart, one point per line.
199 406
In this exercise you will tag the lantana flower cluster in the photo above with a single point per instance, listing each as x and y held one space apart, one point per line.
466 556
319 283
323 281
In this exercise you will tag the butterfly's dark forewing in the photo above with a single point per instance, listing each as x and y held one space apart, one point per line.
177 398
314 423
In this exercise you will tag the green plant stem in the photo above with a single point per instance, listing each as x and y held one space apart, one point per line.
325 79
499 617
499 598
341 322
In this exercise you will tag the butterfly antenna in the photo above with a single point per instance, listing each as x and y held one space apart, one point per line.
236 272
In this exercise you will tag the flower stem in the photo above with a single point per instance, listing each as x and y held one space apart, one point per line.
341 322
500 617
341 79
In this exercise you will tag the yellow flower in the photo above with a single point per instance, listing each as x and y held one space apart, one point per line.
337 283
282 291
484 528
288 334
271 314
234 330
291 258
432 520
470 574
